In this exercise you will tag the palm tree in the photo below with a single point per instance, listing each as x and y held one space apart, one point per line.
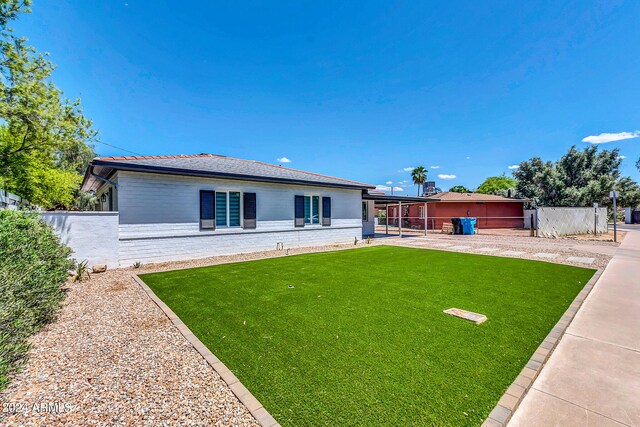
419 176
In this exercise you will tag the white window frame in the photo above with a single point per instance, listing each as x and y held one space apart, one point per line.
420 211
311 223
228 211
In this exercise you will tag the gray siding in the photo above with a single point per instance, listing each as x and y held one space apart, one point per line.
105 189
369 226
168 199
159 218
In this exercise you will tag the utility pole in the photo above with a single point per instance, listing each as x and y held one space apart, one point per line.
614 195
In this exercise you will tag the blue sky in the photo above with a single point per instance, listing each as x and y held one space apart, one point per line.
358 90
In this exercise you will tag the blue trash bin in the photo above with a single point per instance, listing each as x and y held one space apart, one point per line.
464 222
468 225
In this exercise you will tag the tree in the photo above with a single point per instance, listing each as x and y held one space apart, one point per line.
86 201
419 176
629 193
459 189
579 178
45 140
499 185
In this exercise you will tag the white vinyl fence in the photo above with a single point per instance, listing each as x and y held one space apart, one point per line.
553 222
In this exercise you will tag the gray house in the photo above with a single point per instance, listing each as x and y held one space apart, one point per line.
184 207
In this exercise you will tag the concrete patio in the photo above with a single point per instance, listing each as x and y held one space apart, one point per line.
593 376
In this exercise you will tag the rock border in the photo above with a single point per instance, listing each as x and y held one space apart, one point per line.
515 393
245 397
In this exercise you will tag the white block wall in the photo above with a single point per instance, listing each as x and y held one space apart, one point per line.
159 218
93 236
554 221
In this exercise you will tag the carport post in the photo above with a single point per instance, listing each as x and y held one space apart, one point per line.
386 223
400 219
425 218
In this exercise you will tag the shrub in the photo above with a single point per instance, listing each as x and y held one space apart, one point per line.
33 269
82 272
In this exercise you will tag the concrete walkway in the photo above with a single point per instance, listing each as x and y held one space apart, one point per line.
593 376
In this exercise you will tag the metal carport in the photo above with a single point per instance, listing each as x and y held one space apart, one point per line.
384 200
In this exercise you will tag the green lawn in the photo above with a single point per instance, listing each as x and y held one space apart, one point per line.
361 339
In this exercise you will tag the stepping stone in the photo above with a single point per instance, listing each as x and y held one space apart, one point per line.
488 249
512 253
460 247
582 260
546 255
466 315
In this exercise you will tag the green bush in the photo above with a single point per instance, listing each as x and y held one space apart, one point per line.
33 267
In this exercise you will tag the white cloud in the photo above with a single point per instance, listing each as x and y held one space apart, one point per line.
622 157
387 188
284 160
445 176
389 182
512 167
403 181
408 169
434 167
467 157
610 137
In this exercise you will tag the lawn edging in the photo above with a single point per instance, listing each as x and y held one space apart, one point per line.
515 393
245 397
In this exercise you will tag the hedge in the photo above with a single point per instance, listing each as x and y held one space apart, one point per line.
34 265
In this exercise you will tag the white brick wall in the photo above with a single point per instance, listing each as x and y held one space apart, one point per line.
148 250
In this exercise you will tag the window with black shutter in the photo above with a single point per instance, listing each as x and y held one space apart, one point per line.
207 210
299 211
326 211
249 214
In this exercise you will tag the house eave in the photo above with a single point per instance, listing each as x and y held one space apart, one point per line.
112 166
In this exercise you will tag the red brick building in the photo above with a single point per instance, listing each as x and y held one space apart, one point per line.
491 211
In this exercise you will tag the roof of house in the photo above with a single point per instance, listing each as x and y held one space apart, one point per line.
213 166
449 196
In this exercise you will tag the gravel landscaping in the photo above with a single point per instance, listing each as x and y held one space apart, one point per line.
567 250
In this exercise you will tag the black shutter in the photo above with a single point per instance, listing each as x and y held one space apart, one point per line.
326 211
207 210
299 211
249 215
